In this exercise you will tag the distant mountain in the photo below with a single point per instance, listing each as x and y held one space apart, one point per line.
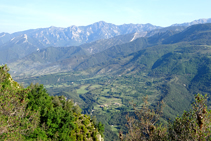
199 21
13 45
103 44
30 66
11 50
45 61
95 35
19 47
82 61
76 35
5 37
98 37
198 34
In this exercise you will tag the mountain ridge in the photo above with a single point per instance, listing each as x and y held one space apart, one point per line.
77 35
199 21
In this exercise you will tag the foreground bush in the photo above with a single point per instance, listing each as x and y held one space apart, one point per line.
16 121
31 114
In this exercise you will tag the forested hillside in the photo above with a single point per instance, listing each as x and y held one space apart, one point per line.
31 114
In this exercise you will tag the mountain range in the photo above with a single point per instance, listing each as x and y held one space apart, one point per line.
23 43
35 39
76 35
95 52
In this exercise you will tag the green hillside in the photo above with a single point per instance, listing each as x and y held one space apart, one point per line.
31 114
196 34
18 47
48 60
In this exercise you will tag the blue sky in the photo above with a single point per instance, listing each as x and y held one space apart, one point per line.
18 15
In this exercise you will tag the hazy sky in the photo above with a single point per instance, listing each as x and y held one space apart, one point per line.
18 15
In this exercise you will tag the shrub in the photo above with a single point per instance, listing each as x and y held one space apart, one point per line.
79 137
86 122
88 135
